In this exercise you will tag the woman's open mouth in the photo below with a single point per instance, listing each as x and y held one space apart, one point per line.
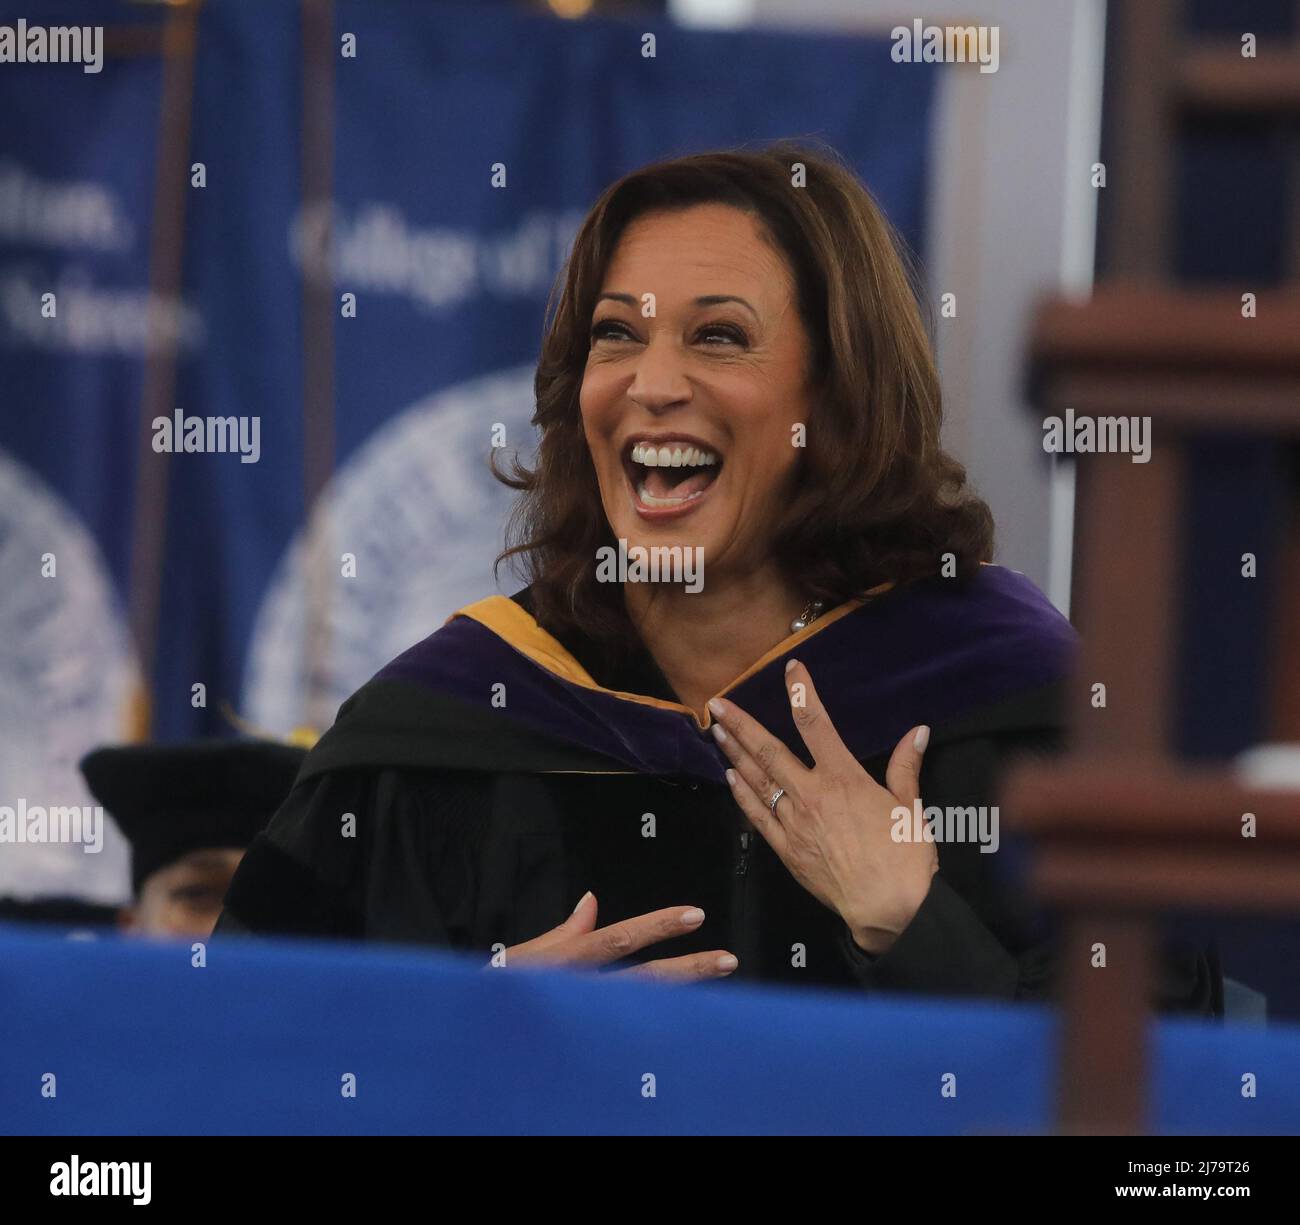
669 477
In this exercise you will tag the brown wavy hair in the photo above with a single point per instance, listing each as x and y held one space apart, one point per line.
876 496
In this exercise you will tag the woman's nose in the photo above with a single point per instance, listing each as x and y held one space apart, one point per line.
660 380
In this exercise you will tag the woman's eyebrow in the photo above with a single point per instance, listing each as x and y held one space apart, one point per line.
713 299
716 299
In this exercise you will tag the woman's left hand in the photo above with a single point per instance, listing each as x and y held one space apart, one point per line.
832 827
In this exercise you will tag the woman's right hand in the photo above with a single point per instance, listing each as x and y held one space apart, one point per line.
578 942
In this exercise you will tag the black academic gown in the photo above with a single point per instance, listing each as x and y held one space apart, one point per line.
483 814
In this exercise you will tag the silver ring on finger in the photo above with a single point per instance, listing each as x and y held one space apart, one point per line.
771 804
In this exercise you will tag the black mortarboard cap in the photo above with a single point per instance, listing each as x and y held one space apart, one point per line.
65 913
171 799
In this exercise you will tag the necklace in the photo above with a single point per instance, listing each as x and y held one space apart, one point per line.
811 611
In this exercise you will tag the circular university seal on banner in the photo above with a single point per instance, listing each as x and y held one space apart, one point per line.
67 675
403 535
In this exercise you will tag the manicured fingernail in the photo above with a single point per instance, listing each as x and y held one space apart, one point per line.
731 777
727 963
582 899
718 707
718 734
693 918
791 665
922 739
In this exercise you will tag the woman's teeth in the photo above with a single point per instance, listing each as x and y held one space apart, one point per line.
672 457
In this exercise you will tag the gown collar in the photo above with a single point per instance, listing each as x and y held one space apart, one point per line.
635 678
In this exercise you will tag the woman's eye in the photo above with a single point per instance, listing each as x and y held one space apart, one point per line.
712 334
608 329
725 332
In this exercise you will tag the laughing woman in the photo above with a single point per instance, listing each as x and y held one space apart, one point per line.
699 779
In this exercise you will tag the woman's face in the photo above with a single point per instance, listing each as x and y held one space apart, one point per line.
689 411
